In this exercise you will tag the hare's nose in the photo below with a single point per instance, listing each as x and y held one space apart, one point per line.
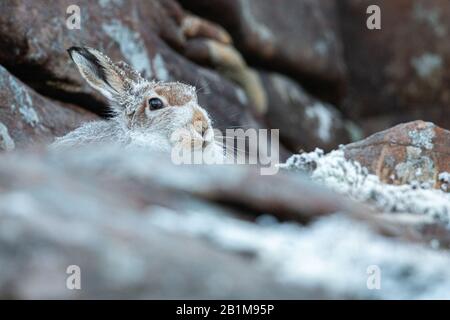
200 122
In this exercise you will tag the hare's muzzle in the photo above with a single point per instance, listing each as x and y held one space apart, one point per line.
202 133
200 122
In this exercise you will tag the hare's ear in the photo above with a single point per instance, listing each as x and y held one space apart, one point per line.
99 71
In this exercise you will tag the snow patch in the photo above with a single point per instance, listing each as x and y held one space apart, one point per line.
444 177
351 179
333 253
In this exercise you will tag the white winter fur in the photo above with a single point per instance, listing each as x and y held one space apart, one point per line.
133 122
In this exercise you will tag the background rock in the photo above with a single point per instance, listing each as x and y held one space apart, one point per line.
299 38
412 152
131 31
304 121
401 71
27 119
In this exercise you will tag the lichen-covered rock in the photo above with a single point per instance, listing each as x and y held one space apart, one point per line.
299 38
27 118
109 212
401 71
146 34
350 178
139 227
304 121
413 152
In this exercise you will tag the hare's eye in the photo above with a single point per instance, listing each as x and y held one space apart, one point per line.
155 104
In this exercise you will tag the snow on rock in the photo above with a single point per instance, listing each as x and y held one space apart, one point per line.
334 254
444 177
350 178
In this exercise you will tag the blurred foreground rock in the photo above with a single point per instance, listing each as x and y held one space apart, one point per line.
94 209
413 152
140 227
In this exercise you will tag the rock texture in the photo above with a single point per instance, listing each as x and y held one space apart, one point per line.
162 41
131 31
269 33
140 227
27 118
413 152
145 37
304 121
95 209
394 72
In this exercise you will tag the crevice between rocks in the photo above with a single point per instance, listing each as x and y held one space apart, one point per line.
38 78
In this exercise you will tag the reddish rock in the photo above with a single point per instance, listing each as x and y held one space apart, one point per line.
296 37
403 70
304 121
147 34
27 118
416 151
104 211
94 208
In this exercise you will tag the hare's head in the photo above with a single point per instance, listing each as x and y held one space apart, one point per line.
167 112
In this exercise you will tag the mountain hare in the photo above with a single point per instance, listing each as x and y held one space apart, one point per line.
149 114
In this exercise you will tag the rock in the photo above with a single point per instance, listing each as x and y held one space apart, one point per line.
304 121
104 212
150 35
140 227
393 71
158 41
27 118
244 185
349 178
231 65
268 34
412 152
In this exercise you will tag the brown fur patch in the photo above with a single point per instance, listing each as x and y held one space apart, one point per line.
199 122
174 95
